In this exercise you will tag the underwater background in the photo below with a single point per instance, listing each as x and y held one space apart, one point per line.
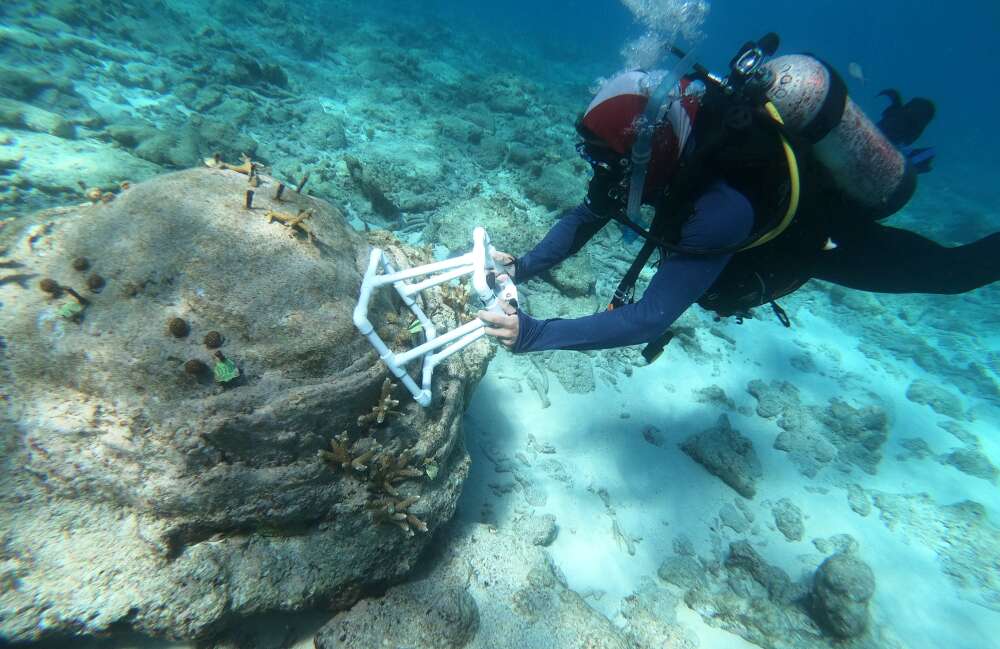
601 502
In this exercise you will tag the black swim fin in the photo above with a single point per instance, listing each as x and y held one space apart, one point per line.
895 99
903 123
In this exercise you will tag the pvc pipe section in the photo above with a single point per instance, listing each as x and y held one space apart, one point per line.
478 263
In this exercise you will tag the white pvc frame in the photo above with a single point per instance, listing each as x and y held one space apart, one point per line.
477 263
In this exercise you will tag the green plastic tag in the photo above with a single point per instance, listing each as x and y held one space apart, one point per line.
70 310
225 371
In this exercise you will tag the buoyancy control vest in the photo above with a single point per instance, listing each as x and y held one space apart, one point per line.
743 136
737 138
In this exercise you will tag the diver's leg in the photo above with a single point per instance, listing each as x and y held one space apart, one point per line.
875 257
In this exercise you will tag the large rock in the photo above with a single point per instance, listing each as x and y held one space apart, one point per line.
775 398
749 597
49 167
574 370
788 519
485 587
971 461
938 398
651 615
510 224
427 613
842 587
134 494
961 535
858 433
815 436
726 454
18 115
183 146
574 277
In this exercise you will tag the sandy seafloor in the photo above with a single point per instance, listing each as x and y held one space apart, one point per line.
594 440
660 492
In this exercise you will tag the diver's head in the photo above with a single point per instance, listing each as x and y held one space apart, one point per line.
610 125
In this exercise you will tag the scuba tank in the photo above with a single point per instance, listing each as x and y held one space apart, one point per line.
812 99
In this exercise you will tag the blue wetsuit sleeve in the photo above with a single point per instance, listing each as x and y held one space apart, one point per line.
567 236
722 217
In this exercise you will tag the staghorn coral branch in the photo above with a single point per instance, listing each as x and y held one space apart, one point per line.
404 504
248 167
360 463
396 512
416 523
383 408
338 455
293 223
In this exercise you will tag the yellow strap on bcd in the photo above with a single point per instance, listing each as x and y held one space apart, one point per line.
793 177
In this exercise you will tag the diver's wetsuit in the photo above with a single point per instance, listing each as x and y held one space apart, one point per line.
722 217
868 256
875 257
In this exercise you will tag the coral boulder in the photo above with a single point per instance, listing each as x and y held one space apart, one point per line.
159 483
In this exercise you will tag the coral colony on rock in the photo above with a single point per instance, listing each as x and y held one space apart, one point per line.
200 450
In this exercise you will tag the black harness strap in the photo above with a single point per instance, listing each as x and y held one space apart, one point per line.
781 314
668 210
667 213
625 293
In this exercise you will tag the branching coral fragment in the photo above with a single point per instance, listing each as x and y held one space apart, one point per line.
339 455
416 523
380 468
360 463
247 167
388 471
296 222
396 512
383 408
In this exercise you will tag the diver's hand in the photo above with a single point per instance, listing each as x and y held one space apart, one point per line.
503 326
507 262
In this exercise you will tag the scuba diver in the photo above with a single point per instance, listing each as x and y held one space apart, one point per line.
760 181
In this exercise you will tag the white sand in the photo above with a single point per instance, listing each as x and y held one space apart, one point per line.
660 492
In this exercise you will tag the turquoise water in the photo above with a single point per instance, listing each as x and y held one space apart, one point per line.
873 419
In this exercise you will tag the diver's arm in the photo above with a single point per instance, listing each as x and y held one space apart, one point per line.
567 236
723 217
575 228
